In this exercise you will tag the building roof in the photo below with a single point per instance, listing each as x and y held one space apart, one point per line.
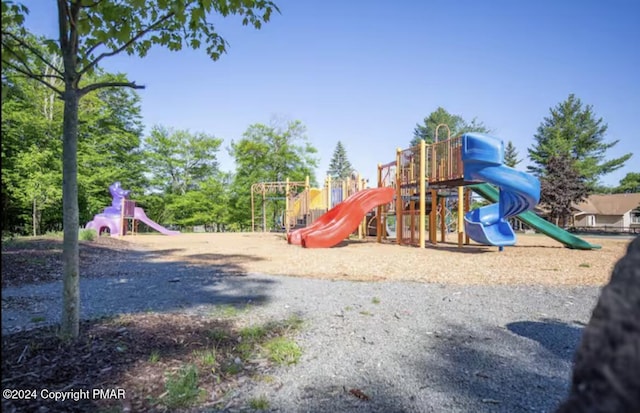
610 204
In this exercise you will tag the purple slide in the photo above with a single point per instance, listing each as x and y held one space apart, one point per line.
110 218
141 216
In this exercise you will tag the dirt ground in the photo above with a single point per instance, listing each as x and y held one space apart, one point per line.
535 259
159 345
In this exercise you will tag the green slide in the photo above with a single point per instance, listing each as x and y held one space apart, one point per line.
491 194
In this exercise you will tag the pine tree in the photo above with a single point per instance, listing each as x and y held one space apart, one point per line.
574 131
511 155
339 167
457 126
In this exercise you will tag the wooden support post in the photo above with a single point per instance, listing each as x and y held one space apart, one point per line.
443 219
122 219
253 215
264 211
423 192
460 216
433 218
399 197
379 209
467 208
362 233
329 192
286 206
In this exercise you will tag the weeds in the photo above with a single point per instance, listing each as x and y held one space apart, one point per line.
182 388
259 403
283 351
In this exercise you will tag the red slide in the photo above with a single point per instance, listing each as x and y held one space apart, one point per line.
348 218
296 236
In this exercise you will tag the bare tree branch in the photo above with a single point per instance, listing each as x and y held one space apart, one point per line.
92 48
30 75
127 44
31 49
101 85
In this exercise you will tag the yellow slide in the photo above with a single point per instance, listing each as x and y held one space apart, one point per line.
315 201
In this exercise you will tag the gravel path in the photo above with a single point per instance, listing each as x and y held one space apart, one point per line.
409 347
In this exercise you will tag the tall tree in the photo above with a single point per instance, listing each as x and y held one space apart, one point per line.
269 153
179 160
457 126
561 186
573 130
511 155
340 167
89 32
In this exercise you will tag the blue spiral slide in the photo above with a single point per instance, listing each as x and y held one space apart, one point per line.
483 158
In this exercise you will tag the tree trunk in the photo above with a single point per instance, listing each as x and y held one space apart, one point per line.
70 323
34 218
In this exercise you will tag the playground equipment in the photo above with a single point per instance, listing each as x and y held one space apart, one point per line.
422 173
122 210
341 220
303 205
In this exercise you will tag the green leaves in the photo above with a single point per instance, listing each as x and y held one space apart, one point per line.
340 167
269 153
573 130
180 160
456 126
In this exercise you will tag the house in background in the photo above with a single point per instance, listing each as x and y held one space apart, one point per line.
609 212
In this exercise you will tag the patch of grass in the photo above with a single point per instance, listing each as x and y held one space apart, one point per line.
253 333
375 300
37 319
364 312
259 403
154 357
585 265
217 334
348 308
282 350
54 234
229 311
87 234
206 357
182 388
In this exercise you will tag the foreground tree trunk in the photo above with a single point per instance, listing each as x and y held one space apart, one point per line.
69 325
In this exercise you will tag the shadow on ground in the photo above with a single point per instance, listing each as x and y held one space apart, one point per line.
558 337
116 280
462 369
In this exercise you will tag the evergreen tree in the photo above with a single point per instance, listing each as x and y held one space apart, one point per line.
511 155
573 130
339 167
560 186
457 126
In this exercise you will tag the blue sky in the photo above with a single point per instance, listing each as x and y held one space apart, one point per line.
365 72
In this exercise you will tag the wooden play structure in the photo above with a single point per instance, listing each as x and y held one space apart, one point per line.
425 177
302 203
128 218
